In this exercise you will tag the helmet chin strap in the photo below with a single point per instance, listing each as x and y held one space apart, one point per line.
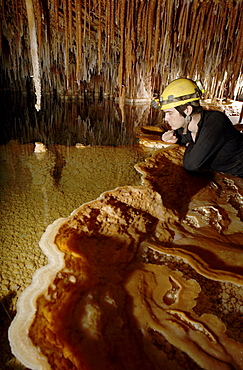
187 119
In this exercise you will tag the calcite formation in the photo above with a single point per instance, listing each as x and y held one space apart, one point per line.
125 49
144 277
40 148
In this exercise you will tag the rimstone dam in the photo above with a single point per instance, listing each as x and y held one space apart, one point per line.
112 255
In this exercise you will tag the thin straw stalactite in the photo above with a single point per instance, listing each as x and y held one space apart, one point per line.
78 7
197 46
85 21
210 25
194 29
89 17
168 16
184 26
157 34
34 52
121 85
108 28
121 45
122 40
221 31
132 23
140 7
149 31
232 19
66 56
70 21
112 21
238 55
99 36
38 14
56 14
129 57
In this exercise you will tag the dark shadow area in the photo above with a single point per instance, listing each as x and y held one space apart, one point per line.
211 258
176 185
7 314
113 340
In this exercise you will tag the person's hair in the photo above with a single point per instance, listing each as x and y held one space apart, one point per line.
196 107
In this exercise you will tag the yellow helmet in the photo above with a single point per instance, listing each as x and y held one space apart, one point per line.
179 92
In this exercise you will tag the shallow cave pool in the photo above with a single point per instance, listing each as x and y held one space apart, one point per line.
115 257
38 188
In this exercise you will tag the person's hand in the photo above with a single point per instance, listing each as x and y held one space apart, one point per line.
169 137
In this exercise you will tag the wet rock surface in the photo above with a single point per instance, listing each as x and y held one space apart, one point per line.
145 275
32 198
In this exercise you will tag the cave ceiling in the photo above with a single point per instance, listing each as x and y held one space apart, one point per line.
127 48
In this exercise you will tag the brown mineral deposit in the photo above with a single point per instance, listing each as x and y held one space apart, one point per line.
132 275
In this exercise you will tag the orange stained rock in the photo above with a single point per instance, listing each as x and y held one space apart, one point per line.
132 274
202 338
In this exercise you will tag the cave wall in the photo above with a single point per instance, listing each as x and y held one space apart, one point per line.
121 48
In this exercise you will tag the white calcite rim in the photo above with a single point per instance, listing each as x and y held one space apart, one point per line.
21 344
124 214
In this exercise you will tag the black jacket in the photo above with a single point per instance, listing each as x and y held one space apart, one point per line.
218 145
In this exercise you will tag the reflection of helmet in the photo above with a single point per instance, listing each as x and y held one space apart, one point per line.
179 92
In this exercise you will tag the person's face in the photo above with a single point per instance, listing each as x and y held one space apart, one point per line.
174 118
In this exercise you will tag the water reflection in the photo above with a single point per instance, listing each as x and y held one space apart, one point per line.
69 121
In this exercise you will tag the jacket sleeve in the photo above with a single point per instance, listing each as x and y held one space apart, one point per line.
211 138
183 139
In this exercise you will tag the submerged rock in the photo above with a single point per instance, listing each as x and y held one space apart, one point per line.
142 277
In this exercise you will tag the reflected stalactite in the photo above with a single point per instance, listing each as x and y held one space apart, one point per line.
109 42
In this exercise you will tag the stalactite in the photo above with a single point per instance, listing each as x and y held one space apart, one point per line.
184 25
157 34
108 28
150 26
70 20
168 14
78 8
122 39
129 47
140 7
210 25
198 44
238 55
99 35
112 21
220 33
85 21
144 32
38 13
56 14
34 53
164 39
194 30
231 24
121 86
66 57
89 20
132 24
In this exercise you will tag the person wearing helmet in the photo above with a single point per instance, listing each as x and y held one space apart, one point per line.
211 140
